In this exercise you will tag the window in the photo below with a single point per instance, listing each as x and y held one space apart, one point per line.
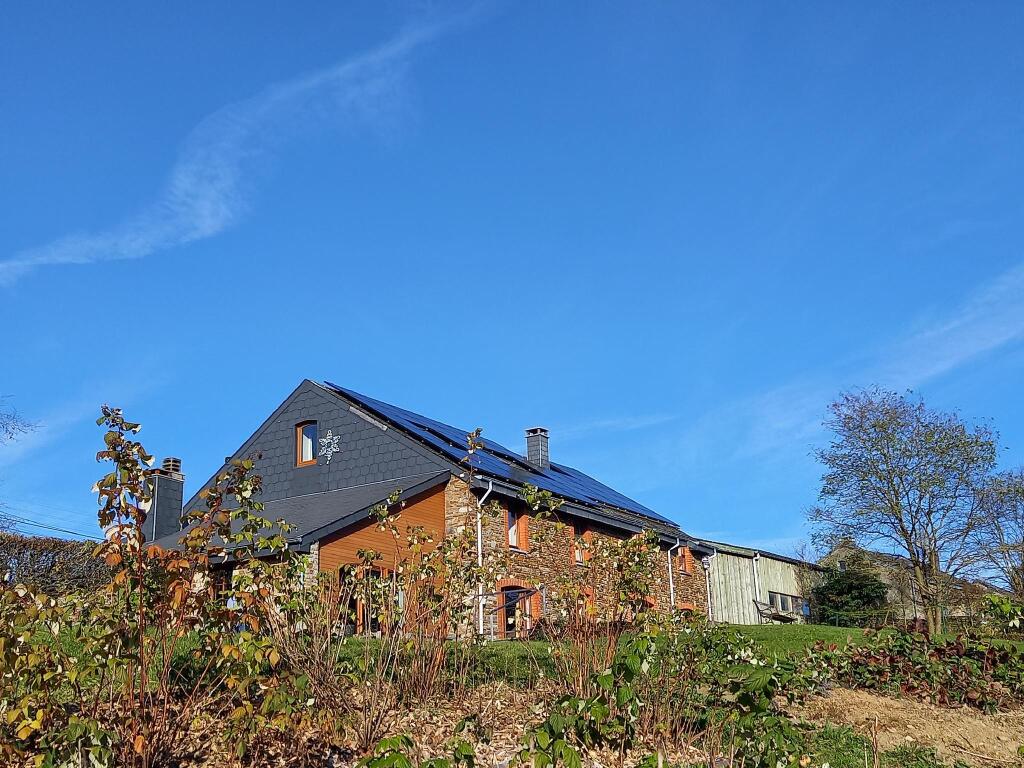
842 566
305 444
580 543
685 559
783 603
221 578
372 601
516 526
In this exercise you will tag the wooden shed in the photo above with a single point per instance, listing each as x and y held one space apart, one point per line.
751 586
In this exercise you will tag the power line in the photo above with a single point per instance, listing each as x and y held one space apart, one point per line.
32 506
22 521
29 509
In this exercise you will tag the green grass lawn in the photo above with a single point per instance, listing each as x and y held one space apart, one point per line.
841 747
791 639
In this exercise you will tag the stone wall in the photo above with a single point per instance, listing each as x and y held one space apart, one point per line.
547 559
548 556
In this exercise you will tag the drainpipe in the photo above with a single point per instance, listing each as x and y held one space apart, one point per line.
757 578
671 578
480 555
706 562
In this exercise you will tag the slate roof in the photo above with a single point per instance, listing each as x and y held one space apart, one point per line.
316 515
497 461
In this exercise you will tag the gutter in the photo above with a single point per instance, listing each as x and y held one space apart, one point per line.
480 555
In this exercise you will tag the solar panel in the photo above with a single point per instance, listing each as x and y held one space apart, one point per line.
495 459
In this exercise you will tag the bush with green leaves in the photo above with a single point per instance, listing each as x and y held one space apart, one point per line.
1004 614
98 677
852 597
669 682
402 752
965 671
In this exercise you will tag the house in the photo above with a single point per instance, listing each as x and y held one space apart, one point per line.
961 597
751 586
329 455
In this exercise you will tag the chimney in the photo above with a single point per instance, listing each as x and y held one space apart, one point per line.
537 447
168 494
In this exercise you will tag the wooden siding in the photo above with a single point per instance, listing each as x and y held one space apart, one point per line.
425 510
778 576
733 585
732 589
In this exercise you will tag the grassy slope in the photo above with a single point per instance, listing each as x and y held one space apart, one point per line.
840 747
790 639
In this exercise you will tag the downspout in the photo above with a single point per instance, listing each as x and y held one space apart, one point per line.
671 578
757 578
480 555
706 562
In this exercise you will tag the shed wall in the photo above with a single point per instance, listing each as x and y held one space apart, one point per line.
733 583
732 589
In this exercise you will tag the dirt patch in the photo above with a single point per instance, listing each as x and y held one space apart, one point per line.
956 734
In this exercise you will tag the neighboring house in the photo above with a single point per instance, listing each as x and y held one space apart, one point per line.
962 596
329 455
751 586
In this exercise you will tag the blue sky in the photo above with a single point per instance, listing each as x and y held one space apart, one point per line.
669 232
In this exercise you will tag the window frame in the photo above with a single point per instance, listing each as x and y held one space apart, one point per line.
684 557
524 601
299 430
580 555
796 603
512 528
521 527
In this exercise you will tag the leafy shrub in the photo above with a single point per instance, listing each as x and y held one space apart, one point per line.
101 677
1005 614
850 597
765 736
964 671
668 683
52 566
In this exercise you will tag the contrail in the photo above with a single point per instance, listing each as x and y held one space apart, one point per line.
210 184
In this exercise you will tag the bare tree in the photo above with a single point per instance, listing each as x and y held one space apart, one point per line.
807 578
1001 533
903 476
12 425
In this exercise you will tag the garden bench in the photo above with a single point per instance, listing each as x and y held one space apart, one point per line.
768 614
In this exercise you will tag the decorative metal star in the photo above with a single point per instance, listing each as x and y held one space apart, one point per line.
330 444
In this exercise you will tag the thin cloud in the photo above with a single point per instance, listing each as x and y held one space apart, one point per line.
617 424
770 426
48 429
990 318
209 187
